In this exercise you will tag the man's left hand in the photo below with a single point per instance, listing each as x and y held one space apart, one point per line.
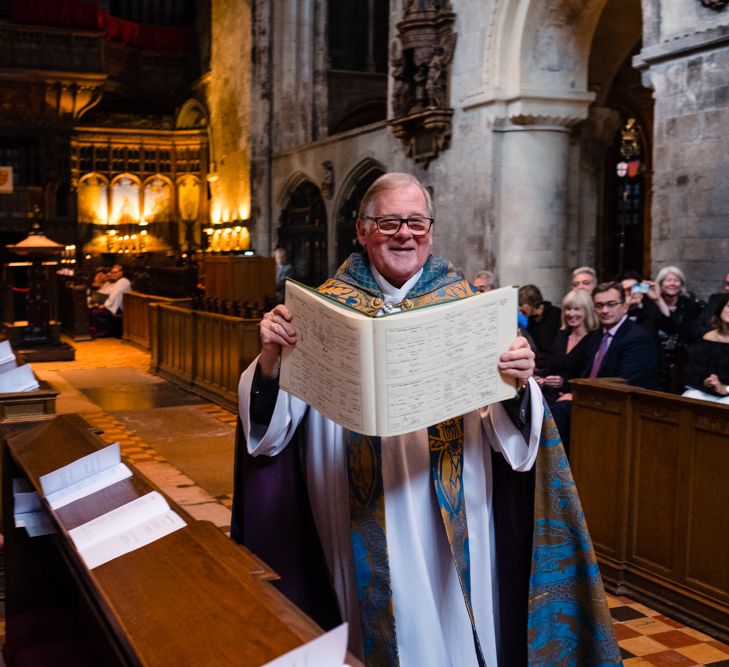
518 360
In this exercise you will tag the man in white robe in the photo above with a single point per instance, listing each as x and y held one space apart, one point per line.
431 618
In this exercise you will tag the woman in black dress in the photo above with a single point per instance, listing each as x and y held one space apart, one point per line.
707 374
569 354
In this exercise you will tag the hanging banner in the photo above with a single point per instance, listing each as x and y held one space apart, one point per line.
6 180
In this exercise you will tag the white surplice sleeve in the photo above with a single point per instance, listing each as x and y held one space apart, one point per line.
287 415
506 438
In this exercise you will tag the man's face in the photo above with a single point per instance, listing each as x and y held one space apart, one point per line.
609 308
634 298
115 273
585 281
401 256
482 284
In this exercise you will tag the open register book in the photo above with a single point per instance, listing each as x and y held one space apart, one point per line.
395 374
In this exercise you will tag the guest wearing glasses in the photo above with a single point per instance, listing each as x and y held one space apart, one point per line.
622 350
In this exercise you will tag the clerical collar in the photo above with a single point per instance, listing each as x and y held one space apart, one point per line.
394 295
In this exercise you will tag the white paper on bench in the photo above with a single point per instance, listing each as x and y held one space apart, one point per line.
17 380
84 476
124 529
327 650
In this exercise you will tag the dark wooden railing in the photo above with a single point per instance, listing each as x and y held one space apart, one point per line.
136 316
202 352
652 470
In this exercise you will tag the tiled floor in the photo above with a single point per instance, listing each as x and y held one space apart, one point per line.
646 637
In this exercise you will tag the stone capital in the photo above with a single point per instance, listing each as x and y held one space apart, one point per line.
537 109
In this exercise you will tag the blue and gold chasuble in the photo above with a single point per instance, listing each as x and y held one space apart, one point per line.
568 621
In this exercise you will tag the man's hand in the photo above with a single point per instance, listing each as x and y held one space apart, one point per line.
713 382
518 361
277 331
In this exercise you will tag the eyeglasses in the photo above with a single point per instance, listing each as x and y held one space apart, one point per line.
607 305
389 225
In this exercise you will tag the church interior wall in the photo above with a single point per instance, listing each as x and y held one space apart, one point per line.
228 97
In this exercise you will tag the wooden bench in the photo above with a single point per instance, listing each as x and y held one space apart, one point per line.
652 471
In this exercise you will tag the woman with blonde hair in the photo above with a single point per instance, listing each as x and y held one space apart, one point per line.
570 353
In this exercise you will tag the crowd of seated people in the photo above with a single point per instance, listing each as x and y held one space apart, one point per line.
652 334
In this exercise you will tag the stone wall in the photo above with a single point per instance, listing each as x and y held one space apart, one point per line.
227 89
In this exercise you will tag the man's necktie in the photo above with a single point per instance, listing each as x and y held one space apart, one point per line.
600 354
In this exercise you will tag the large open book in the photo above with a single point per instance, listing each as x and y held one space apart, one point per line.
395 374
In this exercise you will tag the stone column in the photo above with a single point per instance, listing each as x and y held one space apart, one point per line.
531 170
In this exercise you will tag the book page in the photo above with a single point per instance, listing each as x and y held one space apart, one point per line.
331 366
327 650
84 476
442 361
124 529
18 379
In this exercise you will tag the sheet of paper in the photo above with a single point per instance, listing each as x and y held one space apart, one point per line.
8 365
328 650
25 499
18 379
35 523
328 368
81 469
6 351
440 362
89 485
125 529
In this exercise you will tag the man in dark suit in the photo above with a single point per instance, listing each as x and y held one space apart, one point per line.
623 349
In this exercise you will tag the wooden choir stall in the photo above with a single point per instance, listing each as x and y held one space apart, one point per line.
192 597
652 471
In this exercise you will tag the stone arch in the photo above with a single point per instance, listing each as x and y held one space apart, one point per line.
303 231
354 187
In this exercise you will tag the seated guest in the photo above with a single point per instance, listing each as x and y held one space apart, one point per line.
102 317
679 328
584 277
684 309
284 271
100 288
623 350
571 345
703 324
707 374
645 305
484 281
543 320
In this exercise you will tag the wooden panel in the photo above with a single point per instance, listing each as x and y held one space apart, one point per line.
205 352
598 459
673 460
244 279
706 543
655 471
137 318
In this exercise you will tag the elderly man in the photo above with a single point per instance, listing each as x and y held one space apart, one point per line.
584 277
418 580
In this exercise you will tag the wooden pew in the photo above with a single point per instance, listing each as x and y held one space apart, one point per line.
652 471
191 598
137 316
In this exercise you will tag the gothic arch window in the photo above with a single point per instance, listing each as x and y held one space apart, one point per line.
303 232
347 213
358 61
93 199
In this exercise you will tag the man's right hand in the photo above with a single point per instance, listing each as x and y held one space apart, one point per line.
276 330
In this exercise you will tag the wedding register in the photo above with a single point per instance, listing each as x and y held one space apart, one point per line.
401 372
